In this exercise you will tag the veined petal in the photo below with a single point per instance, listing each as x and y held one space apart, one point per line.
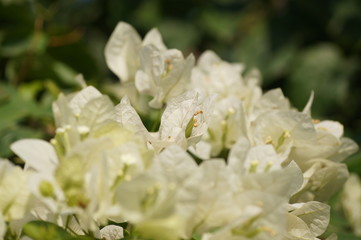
283 182
126 115
347 148
316 215
121 51
333 127
78 102
155 38
298 229
111 232
37 154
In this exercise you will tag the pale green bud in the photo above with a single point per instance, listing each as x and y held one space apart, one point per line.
46 189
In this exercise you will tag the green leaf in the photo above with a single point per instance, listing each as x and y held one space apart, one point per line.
219 24
353 163
196 237
323 69
41 230
173 33
18 107
254 49
11 134
347 236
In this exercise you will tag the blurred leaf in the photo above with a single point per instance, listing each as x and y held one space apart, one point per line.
180 35
15 43
70 59
17 16
196 237
281 62
321 69
30 90
148 14
13 133
39 66
18 108
345 22
72 13
347 236
338 222
16 28
64 72
40 230
254 48
354 163
221 25
14 109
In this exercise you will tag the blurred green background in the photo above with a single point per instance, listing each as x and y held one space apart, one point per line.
299 45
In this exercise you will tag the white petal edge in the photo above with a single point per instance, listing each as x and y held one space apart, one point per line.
37 154
111 232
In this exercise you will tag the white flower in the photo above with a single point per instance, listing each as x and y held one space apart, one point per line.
184 121
65 109
148 66
283 130
329 142
315 214
78 117
322 178
260 168
103 165
226 232
122 50
168 163
111 232
37 154
163 74
273 100
158 202
153 37
340 147
216 204
347 148
228 123
148 202
262 217
127 117
283 182
332 127
82 182
258 159
308 220
14 194
215 76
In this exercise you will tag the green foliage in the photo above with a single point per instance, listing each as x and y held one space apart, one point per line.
40 230
21 115
338 222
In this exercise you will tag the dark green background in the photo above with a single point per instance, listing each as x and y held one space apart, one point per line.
299 45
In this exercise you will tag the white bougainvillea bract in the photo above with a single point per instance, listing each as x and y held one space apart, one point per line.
193 150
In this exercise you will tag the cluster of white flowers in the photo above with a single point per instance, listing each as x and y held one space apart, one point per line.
223 160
